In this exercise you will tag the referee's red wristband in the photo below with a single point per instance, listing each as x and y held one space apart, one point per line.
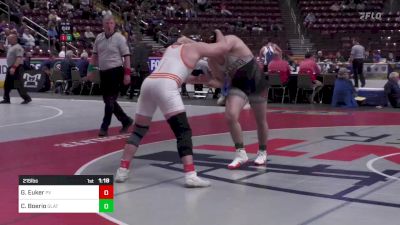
127 71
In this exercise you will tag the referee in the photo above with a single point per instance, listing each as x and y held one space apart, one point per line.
108 50
357 56
15 71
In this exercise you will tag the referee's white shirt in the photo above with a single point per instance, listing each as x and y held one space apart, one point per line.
110 50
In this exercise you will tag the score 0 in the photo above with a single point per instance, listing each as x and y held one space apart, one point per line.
106 198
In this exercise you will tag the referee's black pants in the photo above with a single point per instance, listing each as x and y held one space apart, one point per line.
358 72
111 81
15 82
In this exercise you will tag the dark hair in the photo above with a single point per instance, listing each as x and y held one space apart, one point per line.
212 38
308 55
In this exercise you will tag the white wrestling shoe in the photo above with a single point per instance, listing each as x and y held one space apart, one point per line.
121 175
240 159
193 181
261 159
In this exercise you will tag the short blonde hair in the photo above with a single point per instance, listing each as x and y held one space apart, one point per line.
343 73
393 75
184 40
69 54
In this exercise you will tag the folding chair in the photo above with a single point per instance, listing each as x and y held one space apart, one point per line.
57 78
95 81
304 83
274 80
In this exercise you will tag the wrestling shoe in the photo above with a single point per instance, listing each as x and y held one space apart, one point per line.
193 181
240 159
261 158
221 101
121 175
126 126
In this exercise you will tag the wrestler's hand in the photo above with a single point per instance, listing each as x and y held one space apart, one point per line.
127 80
12 71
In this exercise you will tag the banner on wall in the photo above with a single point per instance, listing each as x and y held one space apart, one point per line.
33 80
375 71
153 63
33 77
3 68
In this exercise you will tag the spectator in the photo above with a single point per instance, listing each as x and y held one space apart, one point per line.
85 2
275 26
52 33
398 16
2 50
224 10
377 56
335 7
140 55
27 61
53 18
278 65
61 54
351 5
3 25
392 89
83 64
76 34
368 58
66 66
46 67
239 24
344 92
68 6
256 25
391 57
106 13
339 58
202 5
310 68
89 36
170 10
28 39
360 6
310 19
320 56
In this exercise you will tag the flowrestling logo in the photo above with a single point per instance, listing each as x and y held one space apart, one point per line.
370 16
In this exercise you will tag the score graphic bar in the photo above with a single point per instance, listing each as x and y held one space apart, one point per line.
65 194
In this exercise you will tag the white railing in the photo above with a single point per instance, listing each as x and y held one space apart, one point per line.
143 25
3 4
164 39
115 8
40 31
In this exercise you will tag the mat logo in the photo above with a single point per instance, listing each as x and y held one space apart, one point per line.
364 16
31 81
214 168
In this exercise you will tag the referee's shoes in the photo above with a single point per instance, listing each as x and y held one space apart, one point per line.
124 129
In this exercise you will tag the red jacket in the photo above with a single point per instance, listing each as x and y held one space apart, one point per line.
281 66
309 67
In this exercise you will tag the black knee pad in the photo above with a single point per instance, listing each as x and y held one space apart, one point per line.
183 133
137 135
